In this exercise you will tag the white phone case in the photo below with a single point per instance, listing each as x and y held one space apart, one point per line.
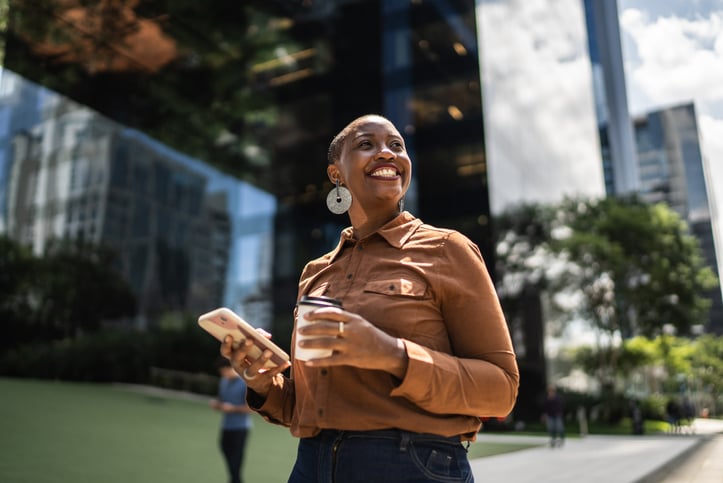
223 321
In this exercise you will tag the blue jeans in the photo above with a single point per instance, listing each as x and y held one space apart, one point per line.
383 456
556 427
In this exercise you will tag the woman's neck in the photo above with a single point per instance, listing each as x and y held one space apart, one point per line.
365 224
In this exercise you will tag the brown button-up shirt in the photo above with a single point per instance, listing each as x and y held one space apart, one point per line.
429 287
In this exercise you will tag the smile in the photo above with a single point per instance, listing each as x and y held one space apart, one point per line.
384 173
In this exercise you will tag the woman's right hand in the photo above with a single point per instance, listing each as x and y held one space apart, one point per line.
258 378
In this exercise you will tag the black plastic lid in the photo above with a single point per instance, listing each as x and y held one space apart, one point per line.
321 301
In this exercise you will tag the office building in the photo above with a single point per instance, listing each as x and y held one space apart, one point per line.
656 155
256 90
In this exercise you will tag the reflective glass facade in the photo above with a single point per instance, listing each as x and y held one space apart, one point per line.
192 136
670 166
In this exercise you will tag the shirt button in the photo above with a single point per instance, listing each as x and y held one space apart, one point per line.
391 287
321 412
349 276
324 372
360 247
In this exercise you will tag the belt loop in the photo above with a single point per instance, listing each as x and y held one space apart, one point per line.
405 441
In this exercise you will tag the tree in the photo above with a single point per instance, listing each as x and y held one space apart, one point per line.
17 274
625 267
639 271
642 270
78 287
706 360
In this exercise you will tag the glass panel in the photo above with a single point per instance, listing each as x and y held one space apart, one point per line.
199 131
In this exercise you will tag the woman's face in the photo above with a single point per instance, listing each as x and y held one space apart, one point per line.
373 165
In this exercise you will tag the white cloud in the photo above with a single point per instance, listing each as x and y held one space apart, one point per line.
540 128
672 59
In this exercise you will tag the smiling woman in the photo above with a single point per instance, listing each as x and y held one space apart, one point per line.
420 350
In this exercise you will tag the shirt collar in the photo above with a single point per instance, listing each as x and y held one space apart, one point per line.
396 232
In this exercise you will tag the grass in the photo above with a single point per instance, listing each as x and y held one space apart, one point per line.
623 428
64 432
76 433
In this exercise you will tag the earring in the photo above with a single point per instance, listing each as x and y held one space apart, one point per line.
339 199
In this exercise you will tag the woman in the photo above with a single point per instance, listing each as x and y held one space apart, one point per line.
421 349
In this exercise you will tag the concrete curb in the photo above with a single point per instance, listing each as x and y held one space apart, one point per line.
657 474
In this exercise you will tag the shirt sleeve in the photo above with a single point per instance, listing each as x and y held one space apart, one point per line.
480 378
278 406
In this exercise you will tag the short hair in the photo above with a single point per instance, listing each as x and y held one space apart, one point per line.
335 146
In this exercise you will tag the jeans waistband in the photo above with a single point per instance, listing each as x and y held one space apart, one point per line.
396 434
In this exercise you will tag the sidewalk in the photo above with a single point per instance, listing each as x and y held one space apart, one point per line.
601 459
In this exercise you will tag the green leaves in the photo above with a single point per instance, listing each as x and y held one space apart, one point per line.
636 266
72 289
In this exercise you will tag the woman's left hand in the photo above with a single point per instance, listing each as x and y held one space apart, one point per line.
355 342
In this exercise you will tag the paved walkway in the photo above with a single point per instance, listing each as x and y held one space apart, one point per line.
610 459
705 465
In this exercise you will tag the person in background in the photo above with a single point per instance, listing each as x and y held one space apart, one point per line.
235 423
421 348
554 412
673 414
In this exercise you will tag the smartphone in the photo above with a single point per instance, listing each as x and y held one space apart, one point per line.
223 321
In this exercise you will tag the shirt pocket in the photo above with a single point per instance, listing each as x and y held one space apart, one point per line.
398 287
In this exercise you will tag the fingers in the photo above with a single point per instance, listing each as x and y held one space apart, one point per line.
248 366
329 313
227 347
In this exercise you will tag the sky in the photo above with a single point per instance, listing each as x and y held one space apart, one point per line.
541 137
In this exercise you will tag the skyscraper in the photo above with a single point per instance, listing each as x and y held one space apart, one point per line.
656 155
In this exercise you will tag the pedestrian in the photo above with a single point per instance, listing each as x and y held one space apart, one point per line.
673 415
636 416
236 422
554 413
421 349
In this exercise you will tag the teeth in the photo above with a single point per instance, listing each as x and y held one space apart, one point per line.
384 173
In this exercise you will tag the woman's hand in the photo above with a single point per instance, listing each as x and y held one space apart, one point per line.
355 342
257 376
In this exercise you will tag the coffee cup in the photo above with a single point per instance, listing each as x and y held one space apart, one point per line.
305 305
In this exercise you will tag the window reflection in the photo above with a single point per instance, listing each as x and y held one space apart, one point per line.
195 134
189 237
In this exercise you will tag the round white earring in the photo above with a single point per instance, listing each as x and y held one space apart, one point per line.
339 199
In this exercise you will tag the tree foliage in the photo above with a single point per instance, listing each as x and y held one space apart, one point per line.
178 70
72 289
624 267
641 269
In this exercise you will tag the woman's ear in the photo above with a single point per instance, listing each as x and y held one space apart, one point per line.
333 172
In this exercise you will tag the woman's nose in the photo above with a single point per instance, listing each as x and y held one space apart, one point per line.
386 153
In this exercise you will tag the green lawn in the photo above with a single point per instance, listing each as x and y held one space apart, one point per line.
78 433
82 433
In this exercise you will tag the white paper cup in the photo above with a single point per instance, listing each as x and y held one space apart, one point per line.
307 304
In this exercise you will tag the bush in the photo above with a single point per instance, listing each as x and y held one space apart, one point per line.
113 355
653 407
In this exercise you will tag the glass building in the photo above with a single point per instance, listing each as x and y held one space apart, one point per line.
656 155
192 136
670 166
